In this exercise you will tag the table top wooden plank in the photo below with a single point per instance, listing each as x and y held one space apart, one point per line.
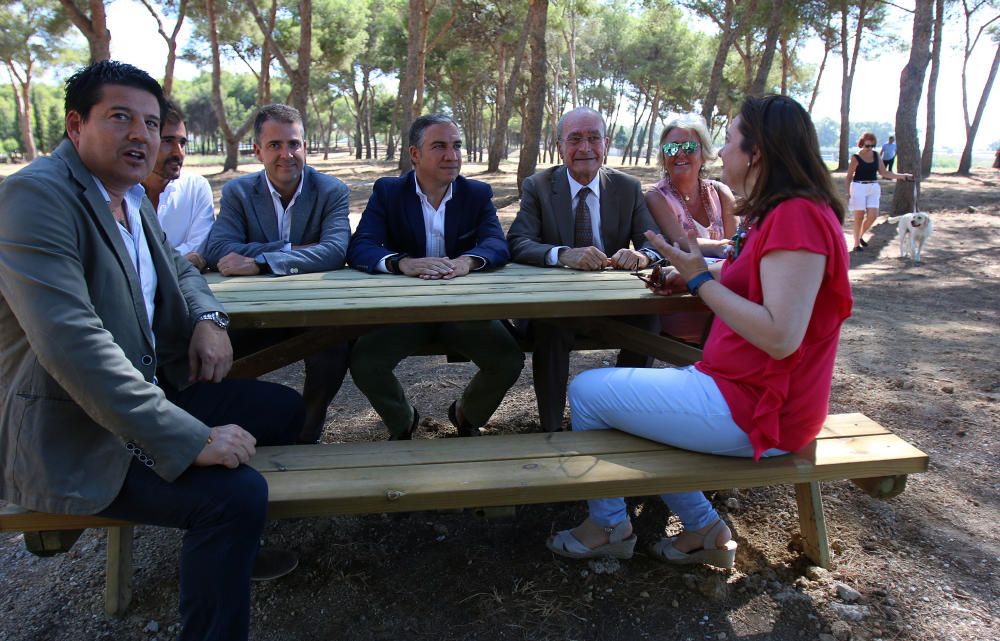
349 297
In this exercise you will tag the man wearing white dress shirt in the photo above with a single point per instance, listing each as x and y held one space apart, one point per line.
183 202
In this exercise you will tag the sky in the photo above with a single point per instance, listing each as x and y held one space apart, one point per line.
874 98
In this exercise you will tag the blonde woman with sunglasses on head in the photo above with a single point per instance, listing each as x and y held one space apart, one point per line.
863 190
684 200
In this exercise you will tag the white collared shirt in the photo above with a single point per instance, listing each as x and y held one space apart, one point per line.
434 244
433 221
135 243
283 213
593 203
186 212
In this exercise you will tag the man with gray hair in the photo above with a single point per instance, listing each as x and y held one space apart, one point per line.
432 223
579 215
286 219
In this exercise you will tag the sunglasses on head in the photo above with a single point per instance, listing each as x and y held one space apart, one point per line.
689 147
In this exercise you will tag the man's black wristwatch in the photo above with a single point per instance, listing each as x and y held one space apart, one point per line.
393 263
221 319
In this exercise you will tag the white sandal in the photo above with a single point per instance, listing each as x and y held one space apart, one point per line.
565 544
722 557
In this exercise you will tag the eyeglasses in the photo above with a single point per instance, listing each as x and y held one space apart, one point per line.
867 146
574 141
689 147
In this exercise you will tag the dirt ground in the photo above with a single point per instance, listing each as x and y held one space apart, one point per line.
919 356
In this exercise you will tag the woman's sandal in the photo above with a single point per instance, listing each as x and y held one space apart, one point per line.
724 557
565 544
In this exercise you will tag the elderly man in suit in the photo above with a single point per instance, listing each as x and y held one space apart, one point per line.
578 215
286 219
432 223
113 352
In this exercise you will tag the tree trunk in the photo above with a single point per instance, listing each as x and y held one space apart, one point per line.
531 127
651 125
819 75
911 82
770 43
570 39
850 63
498 145
965 164
231 138
408 83
171 40
298 97
726 40
94 27
927 158
22 100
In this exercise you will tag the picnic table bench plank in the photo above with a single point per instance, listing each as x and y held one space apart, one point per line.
554 477
318 480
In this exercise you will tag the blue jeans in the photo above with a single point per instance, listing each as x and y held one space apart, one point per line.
679 407
222 510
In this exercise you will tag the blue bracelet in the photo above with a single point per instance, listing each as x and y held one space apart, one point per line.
698 281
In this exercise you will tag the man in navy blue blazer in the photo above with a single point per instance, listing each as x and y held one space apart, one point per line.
432 223
286 219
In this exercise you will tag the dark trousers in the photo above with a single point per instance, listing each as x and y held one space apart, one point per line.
889 163
550 365
222 510
325 371
488 344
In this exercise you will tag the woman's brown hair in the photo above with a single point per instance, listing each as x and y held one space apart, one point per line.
867 136
790 164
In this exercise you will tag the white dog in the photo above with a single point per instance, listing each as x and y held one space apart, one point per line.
914 230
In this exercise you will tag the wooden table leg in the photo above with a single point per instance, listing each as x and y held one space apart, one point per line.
118 589
812 523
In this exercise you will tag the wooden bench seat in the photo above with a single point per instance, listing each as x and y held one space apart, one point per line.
353 478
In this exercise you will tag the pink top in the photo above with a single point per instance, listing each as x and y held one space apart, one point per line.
783 403
716 230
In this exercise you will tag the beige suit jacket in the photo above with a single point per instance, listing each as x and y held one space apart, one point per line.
77 356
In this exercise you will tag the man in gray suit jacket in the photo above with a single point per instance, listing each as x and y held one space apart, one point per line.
113 353
286 219
579 215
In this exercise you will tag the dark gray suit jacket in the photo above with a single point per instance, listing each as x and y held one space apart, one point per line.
76 350
248 226
545 219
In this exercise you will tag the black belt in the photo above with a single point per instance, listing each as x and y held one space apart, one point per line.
865 182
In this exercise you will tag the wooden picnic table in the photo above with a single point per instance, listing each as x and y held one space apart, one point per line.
346 303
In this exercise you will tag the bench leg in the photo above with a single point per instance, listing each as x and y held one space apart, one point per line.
812 523
118 590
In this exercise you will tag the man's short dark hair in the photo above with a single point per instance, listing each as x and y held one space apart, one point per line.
84 88
423 122
173 115
277 112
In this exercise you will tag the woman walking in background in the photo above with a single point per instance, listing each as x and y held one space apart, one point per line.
863 190
763 385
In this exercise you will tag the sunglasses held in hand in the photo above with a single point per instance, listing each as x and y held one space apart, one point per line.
689 147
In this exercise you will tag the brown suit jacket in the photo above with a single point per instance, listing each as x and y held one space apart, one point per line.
545 219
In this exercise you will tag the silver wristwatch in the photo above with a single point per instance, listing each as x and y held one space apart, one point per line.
221 319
